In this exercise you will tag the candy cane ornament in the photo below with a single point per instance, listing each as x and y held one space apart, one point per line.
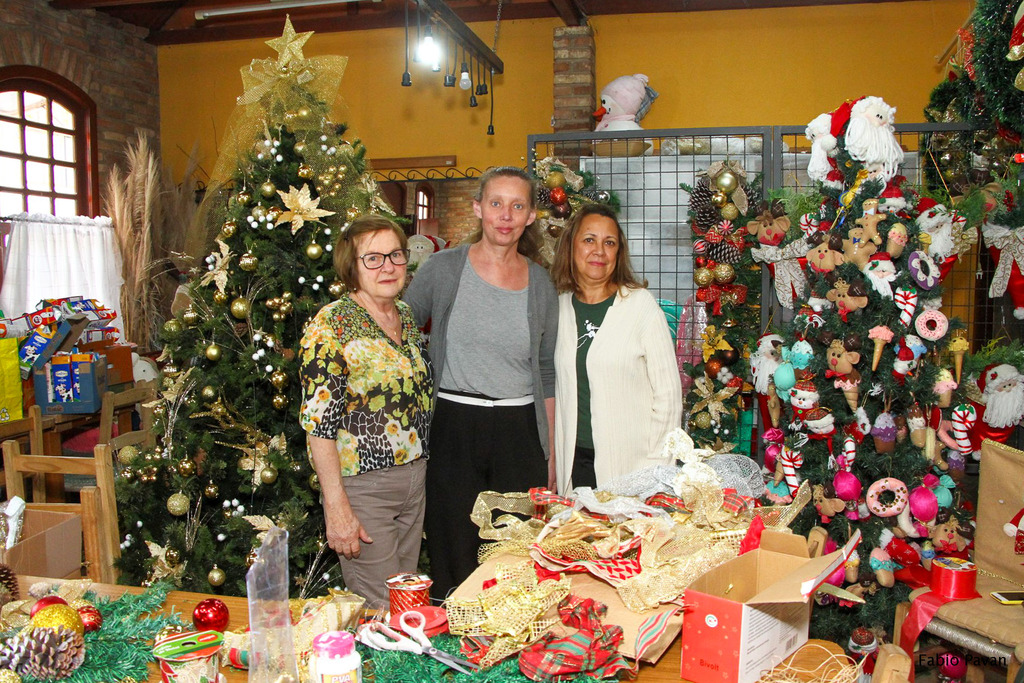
963 418
809 224
791 462
849 455
906 301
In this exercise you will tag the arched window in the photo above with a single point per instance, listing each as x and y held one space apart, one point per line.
424 202
47 145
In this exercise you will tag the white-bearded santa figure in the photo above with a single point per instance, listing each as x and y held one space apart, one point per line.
935 220
763 364
1002 387
871 138
881 272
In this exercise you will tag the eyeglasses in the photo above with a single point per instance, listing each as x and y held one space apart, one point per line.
373 261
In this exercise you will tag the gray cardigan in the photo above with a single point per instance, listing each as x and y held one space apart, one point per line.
431 295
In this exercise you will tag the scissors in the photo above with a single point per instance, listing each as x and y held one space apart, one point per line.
379 636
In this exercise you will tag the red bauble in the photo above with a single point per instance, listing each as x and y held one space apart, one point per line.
210 615
558 195
700 261
46 601
91 617
712 367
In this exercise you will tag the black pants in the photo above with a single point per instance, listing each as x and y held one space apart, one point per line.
473 449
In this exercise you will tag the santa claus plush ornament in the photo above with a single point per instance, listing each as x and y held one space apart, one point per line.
881 273
935 220
1002 388
1015 530
866 125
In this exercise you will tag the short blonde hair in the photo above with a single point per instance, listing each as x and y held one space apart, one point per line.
346 260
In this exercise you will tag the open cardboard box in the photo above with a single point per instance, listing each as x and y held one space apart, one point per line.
50 545
747 615
588 586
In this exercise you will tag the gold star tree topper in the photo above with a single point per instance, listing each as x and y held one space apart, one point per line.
289 45
301 208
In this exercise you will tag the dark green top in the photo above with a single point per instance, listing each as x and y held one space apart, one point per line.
589 318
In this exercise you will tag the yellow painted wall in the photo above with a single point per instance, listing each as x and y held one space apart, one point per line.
730 68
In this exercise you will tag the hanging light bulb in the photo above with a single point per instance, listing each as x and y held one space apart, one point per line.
428 51
449 73
406 76
472 100
481 86
465 82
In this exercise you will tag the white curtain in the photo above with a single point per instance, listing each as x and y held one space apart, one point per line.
52 257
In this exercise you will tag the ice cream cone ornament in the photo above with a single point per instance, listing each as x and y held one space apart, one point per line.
880 335
958 347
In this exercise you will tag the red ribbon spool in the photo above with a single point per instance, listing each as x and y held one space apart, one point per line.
954 579
406 591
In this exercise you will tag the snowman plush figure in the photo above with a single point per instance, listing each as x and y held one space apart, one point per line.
624 102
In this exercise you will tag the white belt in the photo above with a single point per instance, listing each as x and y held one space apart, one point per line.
485 402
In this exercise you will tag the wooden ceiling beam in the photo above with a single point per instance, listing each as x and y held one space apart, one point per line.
570 12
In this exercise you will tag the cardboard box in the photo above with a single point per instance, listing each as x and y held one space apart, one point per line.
747 615
119 360
51 545
92 385
41 345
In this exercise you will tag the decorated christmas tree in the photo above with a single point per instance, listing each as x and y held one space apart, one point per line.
230 459
863 371
727 217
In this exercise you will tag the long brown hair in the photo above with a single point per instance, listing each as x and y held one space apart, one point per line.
530 240
563 269
346 260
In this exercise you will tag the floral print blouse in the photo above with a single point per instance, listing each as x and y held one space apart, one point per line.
371 396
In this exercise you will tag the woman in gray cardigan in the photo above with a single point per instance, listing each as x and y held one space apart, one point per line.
494 316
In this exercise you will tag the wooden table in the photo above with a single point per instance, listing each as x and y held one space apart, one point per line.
667 670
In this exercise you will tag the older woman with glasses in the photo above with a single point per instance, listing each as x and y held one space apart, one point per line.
367 392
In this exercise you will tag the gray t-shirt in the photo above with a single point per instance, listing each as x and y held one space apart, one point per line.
488 340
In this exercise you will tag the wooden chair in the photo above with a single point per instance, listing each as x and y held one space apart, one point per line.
98 506
117 408
30 430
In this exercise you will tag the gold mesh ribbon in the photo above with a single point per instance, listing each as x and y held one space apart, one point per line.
513 610
336 611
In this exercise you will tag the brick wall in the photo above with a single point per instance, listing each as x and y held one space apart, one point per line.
454 208
574 87
103 56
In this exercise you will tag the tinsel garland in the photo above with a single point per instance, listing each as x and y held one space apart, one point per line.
122 648
402 667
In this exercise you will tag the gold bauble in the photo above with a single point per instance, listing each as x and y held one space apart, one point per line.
218 409
52 616
127 455
172 556
286 307
336 289
543 213
719 198
554 179
177 504
186 468
726 182
248 262
229 229
172 326
250 559
211 490
8 676
703 277
280 401
216 576
277 317
259 212
278 378
342 170
269 340
730 212
220 297
268 475
305 171
352 213
299 148
273 213
314 251
303 112
702 420
243 197
128 474
724 273
286 296
273 303
314 482
268 189
160 409
190 317
209 393
240 308
213 353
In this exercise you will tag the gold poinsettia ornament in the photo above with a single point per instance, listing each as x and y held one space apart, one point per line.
301 208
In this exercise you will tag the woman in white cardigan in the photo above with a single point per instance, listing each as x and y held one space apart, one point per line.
617 389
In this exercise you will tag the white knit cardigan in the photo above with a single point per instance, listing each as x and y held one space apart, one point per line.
635 393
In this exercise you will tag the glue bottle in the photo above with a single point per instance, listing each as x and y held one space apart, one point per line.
334 659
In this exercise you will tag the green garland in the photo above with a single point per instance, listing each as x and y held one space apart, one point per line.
122 648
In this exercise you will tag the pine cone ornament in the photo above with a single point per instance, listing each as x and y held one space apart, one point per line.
543 196
705 214
43 653
9 580
724 252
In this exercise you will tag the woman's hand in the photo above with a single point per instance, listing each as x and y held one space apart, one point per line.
344 532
